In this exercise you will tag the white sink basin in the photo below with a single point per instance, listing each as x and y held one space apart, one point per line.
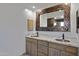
62 40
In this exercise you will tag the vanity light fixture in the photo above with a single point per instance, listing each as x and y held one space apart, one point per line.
66 3
55 23
55 18
33 7
59 10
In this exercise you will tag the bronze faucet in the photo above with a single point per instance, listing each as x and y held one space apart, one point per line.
63 36
37 34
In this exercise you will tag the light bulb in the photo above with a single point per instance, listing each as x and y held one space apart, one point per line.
33 7
66 3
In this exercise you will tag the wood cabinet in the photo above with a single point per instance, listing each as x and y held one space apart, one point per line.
42 48
71 50
36 47
65 53
54 52
56 49
41 54
31 46
28 47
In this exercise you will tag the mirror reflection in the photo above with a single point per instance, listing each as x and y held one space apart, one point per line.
53 21
55 18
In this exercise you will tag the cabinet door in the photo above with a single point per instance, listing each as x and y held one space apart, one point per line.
31 47
72 50
65 53
34 49
41 54
54 52
28 47
42 48
45 43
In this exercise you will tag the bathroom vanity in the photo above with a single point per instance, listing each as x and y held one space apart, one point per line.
40 46
53 19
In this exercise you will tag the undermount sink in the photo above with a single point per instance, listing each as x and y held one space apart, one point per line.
34 36
62 40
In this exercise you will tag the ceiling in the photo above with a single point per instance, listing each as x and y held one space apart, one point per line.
30 5
39 6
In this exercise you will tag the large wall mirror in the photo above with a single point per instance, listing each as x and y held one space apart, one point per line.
56 18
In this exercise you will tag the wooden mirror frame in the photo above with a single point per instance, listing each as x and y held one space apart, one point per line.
64 7
77 21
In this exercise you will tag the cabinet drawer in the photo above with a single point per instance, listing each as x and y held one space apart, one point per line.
71 49
31 40
45 43
56 46
42 48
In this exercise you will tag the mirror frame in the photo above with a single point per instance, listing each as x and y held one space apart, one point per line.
77 21
62 6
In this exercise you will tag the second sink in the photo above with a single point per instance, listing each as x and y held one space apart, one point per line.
62 40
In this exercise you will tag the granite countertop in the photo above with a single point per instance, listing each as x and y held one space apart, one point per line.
74 44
